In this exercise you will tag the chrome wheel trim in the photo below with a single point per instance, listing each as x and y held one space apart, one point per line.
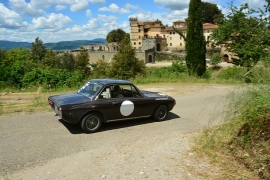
92 122
162 113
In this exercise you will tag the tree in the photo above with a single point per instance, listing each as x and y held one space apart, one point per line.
116 35
66 61
195 42
211 13
244 33
81 60
267 6
49 59
38 50
125 65
15 66
101 69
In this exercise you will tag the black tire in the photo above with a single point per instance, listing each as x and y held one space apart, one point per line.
161 113
91 123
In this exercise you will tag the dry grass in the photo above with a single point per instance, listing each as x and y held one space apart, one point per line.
24 102
241 146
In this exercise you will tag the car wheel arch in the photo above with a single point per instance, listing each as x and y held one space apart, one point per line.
161 104
91 112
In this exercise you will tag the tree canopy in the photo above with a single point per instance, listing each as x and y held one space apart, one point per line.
195 42
125 65
115 35
38 50
211 13
82 59
244 33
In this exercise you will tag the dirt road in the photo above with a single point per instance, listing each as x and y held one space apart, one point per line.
40 146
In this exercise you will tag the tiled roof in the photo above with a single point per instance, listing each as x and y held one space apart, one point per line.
179 21
167 28
148 21
209 26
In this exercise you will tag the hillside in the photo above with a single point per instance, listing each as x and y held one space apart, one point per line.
62 45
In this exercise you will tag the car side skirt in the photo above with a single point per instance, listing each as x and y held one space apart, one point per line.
128 118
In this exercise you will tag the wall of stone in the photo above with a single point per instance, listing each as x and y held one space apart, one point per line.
107 56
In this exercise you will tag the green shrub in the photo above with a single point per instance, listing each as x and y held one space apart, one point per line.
232 73
215 61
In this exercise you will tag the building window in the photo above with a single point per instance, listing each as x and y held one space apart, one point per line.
180 44
170 38
139 30
134 43
170 32
173 32
139 43
139 37
170 44
180 37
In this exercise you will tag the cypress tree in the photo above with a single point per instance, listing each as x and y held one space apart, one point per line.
195 41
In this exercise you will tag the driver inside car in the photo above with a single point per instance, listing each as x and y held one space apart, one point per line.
117 92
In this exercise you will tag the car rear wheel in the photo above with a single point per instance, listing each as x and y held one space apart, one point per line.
161 113
91 123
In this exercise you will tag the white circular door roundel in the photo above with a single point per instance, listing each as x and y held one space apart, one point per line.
126 108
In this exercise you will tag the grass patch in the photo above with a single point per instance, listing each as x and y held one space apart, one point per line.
28 102
241 146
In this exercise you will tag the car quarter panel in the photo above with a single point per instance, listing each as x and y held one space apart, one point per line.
74 113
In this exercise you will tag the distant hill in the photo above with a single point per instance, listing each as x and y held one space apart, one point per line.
62 45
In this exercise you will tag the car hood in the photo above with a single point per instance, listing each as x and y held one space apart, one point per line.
153 94
73 98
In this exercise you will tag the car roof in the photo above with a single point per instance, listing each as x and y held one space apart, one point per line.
111 81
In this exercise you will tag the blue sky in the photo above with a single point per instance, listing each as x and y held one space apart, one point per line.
66 20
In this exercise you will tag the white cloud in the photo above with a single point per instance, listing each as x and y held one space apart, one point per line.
173 4
60 7
97 1
53 22
178 15
142 16
79 5
106 18
25 8
44 4
255 4
115 9
129 6
91 24
10 19
88 13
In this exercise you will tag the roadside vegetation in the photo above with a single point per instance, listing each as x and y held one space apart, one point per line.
241 145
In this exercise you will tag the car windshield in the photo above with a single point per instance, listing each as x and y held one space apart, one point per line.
90 88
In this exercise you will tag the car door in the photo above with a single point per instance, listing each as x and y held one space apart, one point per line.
131 105
104 103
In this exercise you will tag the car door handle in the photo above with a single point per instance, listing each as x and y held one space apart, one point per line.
115 103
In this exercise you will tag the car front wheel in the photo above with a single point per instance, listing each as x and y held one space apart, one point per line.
91 123
161 113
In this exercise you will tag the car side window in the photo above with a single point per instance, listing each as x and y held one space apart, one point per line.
135 92
105 93
125 91
117 91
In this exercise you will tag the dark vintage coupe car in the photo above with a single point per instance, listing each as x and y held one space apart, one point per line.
104 100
